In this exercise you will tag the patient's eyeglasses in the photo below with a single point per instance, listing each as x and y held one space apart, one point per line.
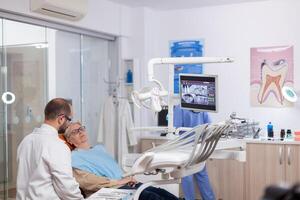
78 130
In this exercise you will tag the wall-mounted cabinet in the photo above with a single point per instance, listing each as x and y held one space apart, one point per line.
128 77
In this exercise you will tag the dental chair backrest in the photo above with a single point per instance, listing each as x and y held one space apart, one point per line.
201 141
208 141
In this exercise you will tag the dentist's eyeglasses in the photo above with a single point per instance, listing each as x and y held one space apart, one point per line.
68 118
65 116
78 130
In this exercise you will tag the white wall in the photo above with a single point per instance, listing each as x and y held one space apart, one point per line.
133 46
232 30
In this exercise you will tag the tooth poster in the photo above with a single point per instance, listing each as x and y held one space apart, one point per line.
271 69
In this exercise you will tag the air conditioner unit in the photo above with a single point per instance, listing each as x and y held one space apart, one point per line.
66 9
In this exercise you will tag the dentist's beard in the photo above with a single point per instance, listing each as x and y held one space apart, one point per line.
62 128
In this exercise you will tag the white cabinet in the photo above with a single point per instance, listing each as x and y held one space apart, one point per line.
227 178
269 164
292 163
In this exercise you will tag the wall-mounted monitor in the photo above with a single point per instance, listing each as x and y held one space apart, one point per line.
199 92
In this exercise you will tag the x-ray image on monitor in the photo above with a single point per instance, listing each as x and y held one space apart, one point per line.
198 92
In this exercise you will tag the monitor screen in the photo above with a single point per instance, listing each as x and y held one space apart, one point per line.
198 92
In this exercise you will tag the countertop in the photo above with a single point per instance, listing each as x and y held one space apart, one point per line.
246 140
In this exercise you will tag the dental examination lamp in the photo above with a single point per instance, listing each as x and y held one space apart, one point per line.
289 94
150 98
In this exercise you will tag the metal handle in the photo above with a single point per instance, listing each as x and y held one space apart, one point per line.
289 155
153 144
280 155
7 100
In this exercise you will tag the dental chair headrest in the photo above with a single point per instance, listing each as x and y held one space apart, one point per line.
62 137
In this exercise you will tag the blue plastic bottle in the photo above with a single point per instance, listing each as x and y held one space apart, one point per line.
129 76
270 130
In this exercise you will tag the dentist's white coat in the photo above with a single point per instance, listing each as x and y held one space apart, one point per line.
44 167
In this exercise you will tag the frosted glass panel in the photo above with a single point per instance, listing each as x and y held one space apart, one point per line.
68 78
24 54
2 127
20 33
96 66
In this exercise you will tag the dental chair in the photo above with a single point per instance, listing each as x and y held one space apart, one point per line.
179 157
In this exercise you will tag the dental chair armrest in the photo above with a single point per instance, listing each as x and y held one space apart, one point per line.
141 164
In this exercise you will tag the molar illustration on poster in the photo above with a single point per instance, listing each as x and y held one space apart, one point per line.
271 69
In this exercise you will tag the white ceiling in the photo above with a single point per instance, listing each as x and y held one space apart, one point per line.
177 4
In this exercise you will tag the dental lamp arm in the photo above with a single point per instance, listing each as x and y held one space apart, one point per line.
183 60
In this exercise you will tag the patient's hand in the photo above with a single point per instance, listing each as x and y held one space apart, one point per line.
127 180
132 180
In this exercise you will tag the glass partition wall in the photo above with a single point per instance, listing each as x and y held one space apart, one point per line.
68 61
23 72
38 64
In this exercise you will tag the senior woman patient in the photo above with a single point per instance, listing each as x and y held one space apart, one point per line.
94 168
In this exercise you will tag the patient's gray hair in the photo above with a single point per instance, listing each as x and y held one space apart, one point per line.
69 130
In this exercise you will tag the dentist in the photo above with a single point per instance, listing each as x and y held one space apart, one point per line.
188 118
44 161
